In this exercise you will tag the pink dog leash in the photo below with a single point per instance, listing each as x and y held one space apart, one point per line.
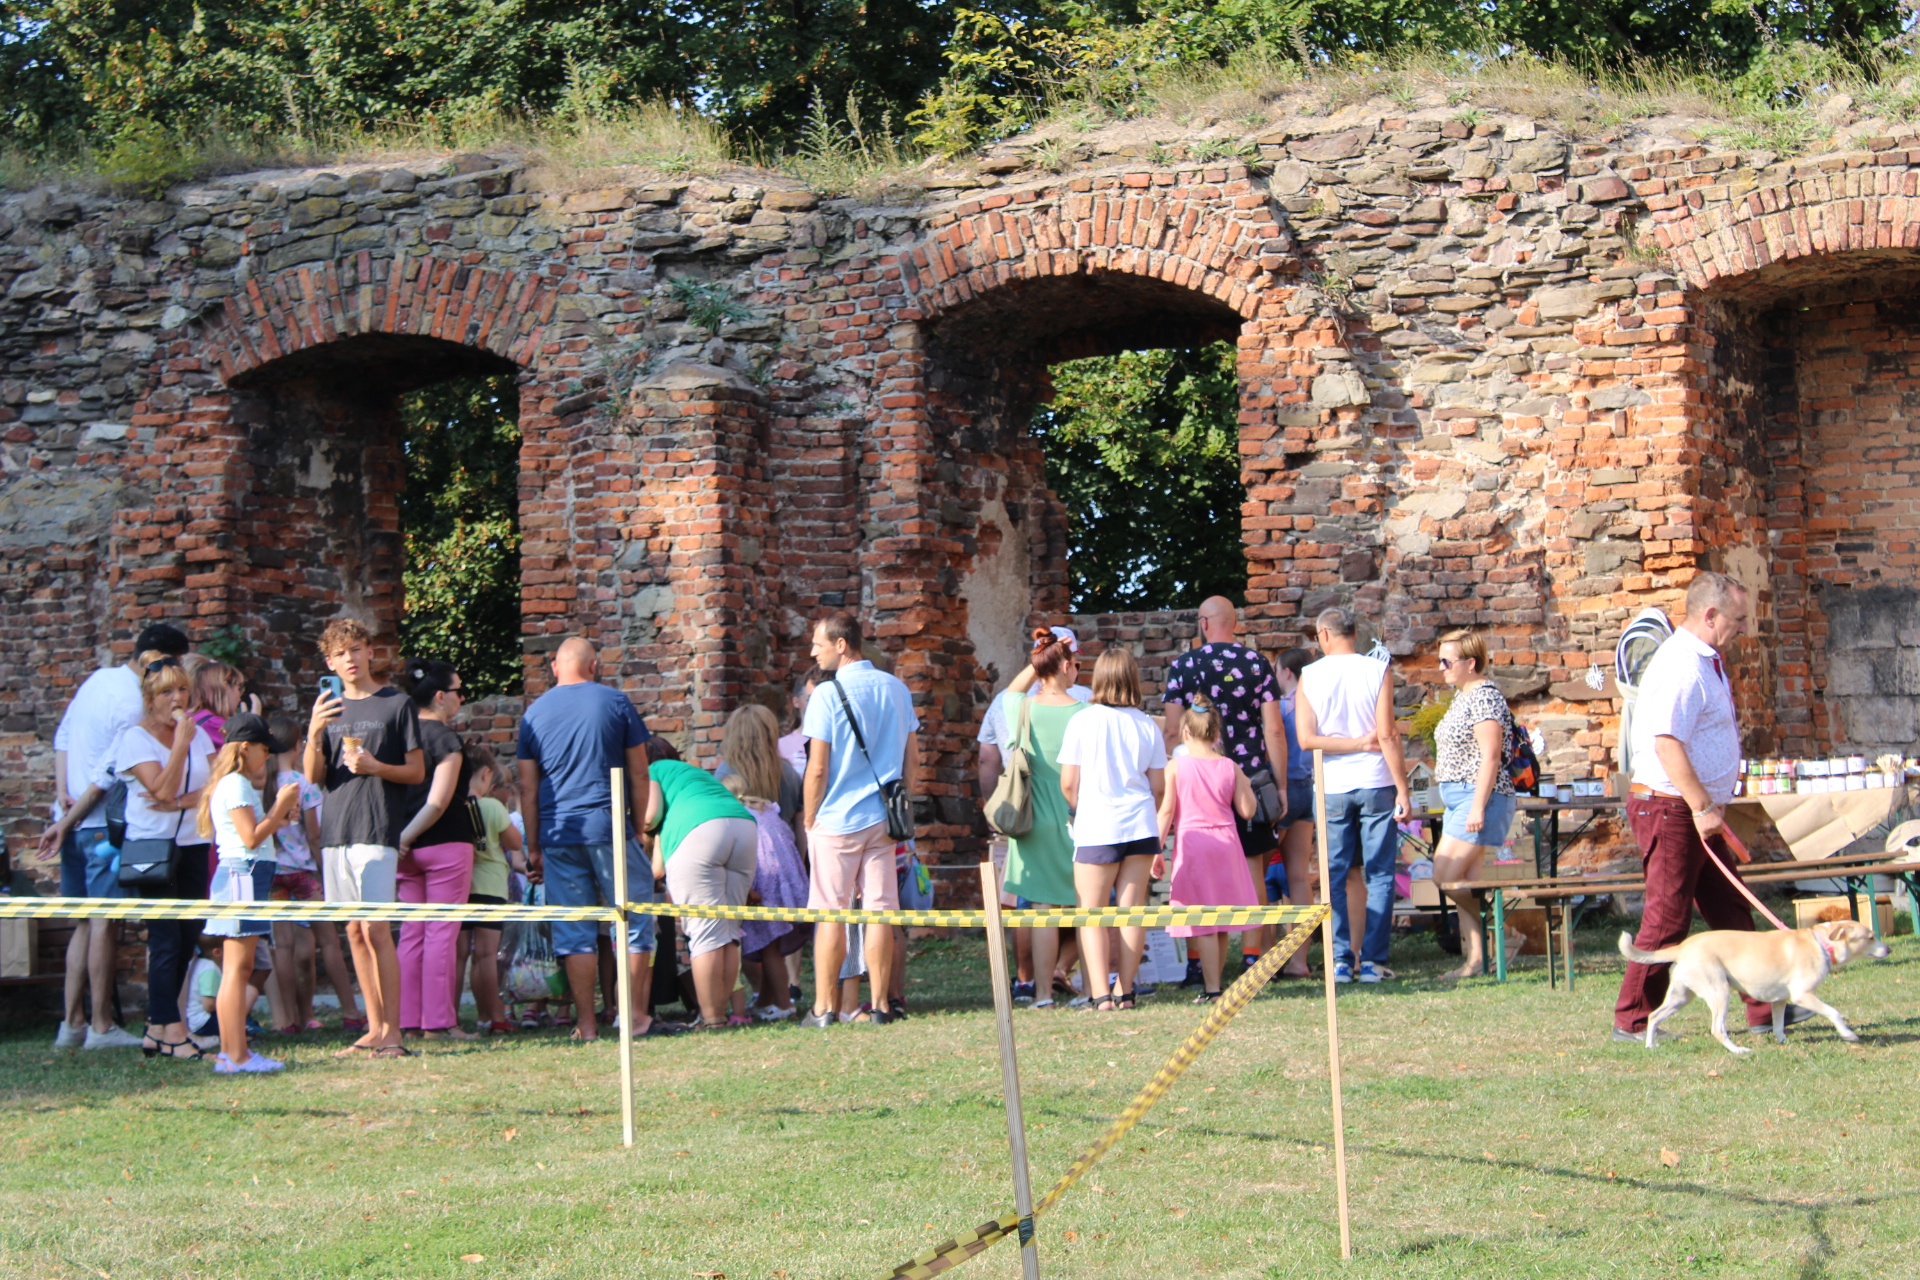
1740 852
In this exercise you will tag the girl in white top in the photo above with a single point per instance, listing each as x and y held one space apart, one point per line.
243 837
1113 760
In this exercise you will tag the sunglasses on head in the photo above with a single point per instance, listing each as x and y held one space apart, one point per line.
156 667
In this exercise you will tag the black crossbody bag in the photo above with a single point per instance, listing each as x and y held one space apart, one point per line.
151 864
893 795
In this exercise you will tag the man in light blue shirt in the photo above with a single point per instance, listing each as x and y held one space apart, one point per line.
845 816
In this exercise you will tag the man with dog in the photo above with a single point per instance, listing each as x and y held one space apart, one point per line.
1686 756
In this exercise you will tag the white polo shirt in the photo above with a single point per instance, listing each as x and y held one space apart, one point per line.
1685 694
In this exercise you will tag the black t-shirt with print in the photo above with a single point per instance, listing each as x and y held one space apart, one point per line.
360 808
1237 682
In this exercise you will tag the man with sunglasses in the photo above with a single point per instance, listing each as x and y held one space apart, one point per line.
105 704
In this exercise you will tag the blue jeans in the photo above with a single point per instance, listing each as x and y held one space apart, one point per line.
89 866
1360 824
581 875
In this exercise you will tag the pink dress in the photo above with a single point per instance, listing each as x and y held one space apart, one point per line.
1209 869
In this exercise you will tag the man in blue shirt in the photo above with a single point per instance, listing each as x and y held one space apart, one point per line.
571 738
845 816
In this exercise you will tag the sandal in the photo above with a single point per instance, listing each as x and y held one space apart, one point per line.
353 1049
172 1048
393 1051
1206 997
1103 1004
1124 1001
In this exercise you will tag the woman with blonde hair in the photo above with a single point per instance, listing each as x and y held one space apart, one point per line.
750 765
165 761
230 815
1470 749
1040 863
1113 759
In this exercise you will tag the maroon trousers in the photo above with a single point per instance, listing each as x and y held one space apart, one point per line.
1678 880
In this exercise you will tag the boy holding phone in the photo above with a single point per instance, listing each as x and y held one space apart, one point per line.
364 750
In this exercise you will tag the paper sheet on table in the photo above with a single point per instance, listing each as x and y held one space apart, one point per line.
1819 826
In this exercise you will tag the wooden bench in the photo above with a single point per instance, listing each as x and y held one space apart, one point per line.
1901 861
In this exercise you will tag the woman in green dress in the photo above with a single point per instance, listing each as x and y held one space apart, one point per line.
1040 863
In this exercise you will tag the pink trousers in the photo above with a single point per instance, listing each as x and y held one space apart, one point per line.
429 977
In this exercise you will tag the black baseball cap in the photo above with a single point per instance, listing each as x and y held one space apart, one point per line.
248 727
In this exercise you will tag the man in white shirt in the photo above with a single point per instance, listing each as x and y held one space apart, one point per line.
1686 757
101 709
1344 708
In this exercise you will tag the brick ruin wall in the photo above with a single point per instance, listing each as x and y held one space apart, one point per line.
1490 377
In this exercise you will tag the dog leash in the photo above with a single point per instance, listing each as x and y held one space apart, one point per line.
1733 842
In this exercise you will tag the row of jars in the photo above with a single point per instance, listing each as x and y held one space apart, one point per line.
1776 776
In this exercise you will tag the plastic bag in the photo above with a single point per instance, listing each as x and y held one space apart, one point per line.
526 948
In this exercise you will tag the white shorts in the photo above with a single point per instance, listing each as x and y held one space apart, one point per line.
360 872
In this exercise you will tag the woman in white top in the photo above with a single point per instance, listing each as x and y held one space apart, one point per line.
243 838
164 761
1113 762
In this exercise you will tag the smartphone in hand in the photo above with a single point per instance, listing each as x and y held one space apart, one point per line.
333 685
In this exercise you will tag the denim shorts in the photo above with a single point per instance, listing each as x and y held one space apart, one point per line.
1498 820
228 881
581 875
1299 800
89 866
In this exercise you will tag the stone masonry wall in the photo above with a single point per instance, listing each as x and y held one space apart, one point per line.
1490 376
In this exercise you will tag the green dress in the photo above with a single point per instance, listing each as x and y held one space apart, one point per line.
1040 863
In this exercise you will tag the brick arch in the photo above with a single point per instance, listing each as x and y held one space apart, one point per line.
1757 242
1217 238
501 312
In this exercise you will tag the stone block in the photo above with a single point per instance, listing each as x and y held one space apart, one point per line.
1576 302
1321 148
1339 389
1878 723
602 200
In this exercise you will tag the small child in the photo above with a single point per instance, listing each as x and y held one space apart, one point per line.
1204 790
203 991
297 879
779 880
243 839
499 840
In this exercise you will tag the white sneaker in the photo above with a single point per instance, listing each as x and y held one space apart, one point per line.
111 1038
72 1037
772 1013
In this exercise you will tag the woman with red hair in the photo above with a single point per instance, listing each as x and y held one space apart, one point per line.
1040 863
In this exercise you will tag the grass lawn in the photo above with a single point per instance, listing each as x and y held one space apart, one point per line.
1492 1130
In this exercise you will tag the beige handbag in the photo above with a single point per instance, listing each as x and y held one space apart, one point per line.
1010 807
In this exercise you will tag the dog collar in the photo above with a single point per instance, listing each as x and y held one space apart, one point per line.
1832 959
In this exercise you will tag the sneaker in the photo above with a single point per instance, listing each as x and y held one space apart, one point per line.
1795 1013
1079 1002
253 1029
111 1038
793 995
772 1013
820 1020
72 1037
1660 1036
256 1064
1342 972
1370 972
1194 977
1142 990
1023 993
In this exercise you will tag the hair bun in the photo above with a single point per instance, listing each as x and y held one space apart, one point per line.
1043 636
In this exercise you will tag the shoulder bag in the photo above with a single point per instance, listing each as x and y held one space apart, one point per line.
1009 809
151 864
893 795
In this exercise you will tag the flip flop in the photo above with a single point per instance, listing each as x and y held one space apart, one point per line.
353 1049
393 1051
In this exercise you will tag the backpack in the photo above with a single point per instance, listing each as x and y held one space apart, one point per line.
1522 765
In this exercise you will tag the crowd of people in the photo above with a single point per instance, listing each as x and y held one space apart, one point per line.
174 783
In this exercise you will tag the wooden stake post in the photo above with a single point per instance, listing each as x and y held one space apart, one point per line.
1328 887
623 971
1009 1067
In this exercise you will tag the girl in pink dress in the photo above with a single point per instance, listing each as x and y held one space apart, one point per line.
1204 791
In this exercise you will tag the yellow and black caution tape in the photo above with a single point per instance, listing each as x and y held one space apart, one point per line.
952 1253
1037 918
200 909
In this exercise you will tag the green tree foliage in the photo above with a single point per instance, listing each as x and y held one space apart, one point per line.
1144 450
459 515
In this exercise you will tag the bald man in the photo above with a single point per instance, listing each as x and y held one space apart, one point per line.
571 739
1239 684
